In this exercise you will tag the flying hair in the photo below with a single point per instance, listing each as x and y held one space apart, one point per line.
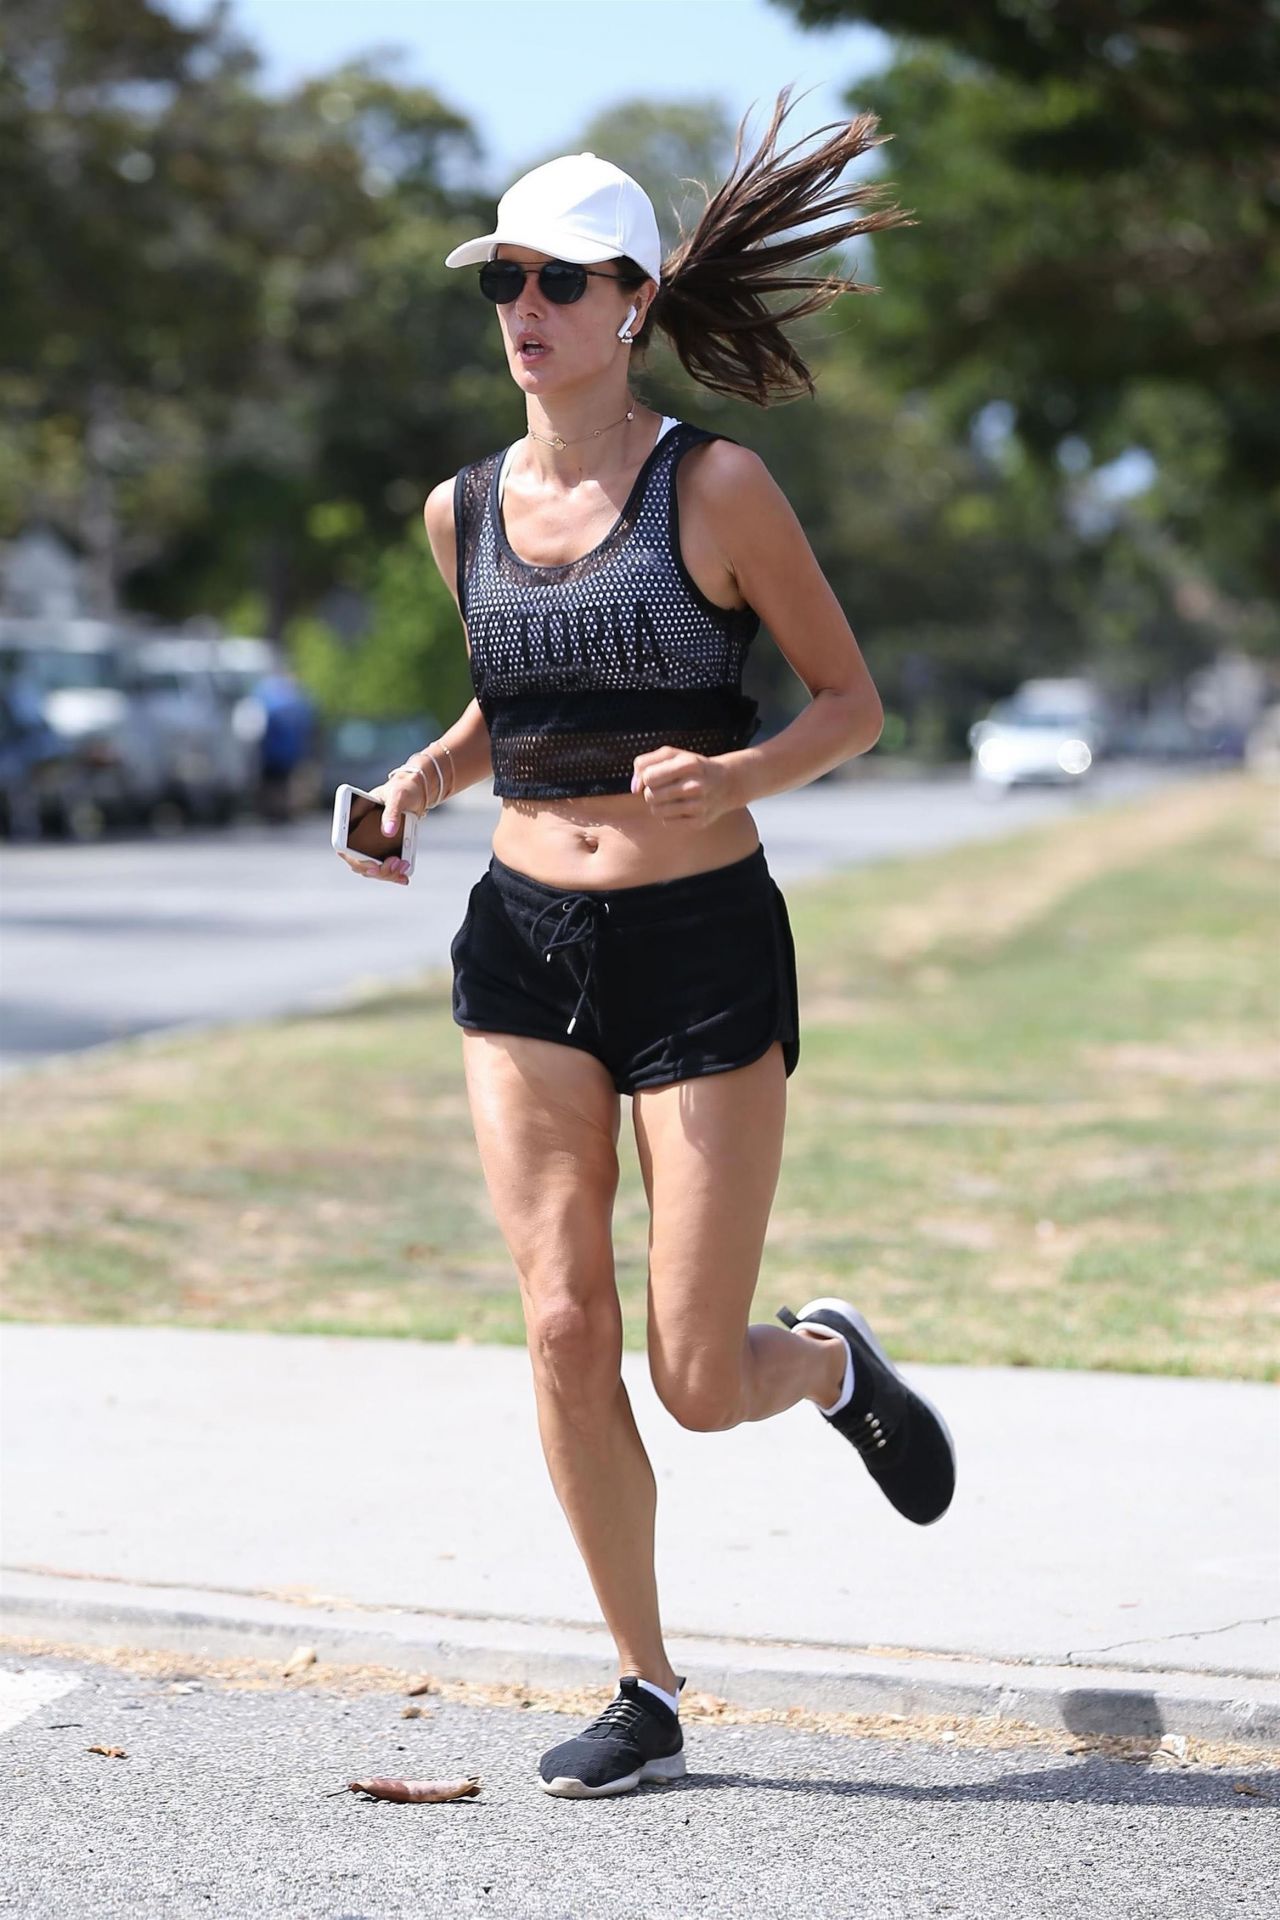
718 303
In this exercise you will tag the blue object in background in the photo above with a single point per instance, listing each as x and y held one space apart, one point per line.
290 727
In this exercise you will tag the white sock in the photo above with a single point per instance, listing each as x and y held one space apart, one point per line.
846 1391
671 1699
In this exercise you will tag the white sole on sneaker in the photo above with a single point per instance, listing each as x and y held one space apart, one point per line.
672 1768
856 1319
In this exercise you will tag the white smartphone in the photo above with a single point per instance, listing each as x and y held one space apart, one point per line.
357 829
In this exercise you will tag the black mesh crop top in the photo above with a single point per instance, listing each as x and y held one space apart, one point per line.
577 668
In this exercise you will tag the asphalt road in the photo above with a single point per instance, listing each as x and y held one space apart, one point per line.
231 1803
137 934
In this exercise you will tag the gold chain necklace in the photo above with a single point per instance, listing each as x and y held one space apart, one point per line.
560 444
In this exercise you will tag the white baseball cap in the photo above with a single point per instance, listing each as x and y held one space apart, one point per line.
576 208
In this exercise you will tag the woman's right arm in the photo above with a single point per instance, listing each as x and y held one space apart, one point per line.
468 760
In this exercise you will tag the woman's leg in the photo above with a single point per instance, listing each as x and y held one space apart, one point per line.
710 1152
546 1120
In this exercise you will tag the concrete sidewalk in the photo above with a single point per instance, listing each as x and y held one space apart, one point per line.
1111 1561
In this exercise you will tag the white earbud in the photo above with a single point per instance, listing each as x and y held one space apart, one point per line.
624 331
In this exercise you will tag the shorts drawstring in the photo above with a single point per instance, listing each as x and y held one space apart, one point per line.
569 935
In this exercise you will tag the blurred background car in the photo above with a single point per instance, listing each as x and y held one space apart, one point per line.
1047 730
109 724
209 762
81 673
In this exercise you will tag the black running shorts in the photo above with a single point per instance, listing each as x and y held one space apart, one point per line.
662 982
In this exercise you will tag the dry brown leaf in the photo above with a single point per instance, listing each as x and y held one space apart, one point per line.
417 1791
1247 1786
116 1753
415 1713
426 1685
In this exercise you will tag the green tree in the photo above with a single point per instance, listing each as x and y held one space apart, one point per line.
218 309
411 658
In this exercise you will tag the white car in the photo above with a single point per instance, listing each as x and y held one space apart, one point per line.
1017 743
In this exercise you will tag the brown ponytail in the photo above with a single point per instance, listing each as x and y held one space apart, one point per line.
713 300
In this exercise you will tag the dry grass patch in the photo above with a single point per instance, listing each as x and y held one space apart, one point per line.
1032 880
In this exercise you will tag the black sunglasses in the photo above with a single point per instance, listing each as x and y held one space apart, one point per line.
561 281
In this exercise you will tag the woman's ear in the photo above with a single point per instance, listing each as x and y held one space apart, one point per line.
639 311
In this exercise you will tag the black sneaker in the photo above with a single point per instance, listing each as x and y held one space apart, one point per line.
636 1738
901 1436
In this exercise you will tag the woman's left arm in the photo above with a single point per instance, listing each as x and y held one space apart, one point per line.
746 519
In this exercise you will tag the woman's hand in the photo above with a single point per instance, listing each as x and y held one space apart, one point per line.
691 788
400 793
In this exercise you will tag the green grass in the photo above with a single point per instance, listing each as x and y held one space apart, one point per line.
1034 1123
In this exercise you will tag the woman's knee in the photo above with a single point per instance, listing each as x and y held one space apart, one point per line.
701 1394
575 1342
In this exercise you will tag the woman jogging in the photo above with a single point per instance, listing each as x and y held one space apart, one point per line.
612 568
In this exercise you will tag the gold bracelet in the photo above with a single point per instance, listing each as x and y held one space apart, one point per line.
439 776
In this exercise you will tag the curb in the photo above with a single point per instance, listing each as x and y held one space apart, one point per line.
553 1654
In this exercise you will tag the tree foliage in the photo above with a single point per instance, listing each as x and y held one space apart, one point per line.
409 657
220 308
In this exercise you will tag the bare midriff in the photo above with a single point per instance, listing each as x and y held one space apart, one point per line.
614 840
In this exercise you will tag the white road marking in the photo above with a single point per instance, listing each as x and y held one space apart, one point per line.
24 1689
